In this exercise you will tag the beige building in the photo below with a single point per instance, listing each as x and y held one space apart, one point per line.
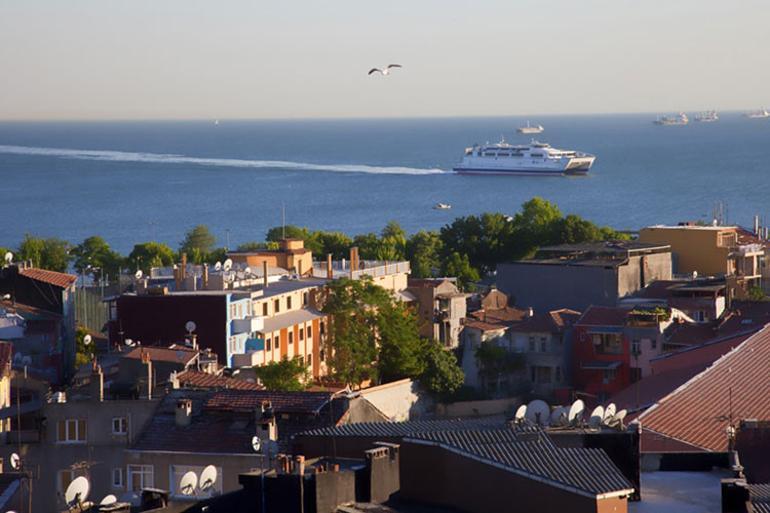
440 308
709 250
291 255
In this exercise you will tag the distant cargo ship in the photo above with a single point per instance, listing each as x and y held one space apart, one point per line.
707 117
535 159
529 129
758 114
679 119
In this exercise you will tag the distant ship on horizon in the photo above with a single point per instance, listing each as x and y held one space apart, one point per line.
708 116
758 114
534 159
679 119
530 129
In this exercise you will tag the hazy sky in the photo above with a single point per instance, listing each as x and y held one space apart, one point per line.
95 59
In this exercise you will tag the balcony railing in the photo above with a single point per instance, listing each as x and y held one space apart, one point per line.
248 325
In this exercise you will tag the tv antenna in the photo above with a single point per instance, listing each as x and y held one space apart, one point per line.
538 412
190 326
188 483
227 265
77 493
15 461
208 478
575 415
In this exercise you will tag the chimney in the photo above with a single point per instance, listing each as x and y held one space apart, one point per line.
147 362
183 268
756 225
205 276
299 465
183 412
177 279
264 273
329 272
97 383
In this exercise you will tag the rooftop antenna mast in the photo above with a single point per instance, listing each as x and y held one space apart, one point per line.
283 220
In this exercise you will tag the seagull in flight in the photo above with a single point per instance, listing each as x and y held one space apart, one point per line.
384 71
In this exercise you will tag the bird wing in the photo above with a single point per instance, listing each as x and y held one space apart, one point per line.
374 70
394 66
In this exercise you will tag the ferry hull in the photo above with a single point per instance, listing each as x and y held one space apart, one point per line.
576 166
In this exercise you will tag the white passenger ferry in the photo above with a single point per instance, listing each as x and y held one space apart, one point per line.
535 158
530 129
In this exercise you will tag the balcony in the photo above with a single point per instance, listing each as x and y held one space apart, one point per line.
247 325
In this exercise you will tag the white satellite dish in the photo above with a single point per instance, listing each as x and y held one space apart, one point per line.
218 266
138 274
247 270
188 483
227 265
617 420
596 416
538 412
129 342
256 443
109 500
609 413
190 326
521 412
77 492
15 461
559 416
208 477
8 257
575 414
87 339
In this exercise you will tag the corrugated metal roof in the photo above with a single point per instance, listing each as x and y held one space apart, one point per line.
401 429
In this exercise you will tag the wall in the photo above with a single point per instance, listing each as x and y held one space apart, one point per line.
548 287
400 400
643 270
695 248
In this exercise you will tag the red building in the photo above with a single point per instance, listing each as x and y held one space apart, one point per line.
601 353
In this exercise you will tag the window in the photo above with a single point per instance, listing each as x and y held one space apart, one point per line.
277 306
309 331
277 341
119 425
288 303
607 343
310 360
321 356
71 431
117 477
654 343
541 375
175 476
301 334
305 298
301 360
232 311
291 337
636 347
532 344
264 309
543 344
323 327
140 476
267 344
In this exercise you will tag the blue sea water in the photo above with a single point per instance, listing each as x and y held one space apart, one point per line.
137 181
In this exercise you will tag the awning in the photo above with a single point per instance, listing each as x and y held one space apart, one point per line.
598 365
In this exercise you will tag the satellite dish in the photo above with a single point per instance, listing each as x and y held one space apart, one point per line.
521 412
190 326
87 339
129 342
138 274
609 413
8 257
619 417
188 483
109 500
227 265
538 412
218 266
247 270
559 416
596 417
77 492
15 461
256 443
575 414
208 477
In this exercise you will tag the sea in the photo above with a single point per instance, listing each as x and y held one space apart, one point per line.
132 181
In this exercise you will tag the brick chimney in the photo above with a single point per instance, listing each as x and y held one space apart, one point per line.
183 268
97 383
329 271
183 412
147 363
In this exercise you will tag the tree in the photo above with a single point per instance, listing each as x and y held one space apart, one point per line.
336 243
284 376
535 225
290 231
423 250
51 253
459 266
96 253
150 254
442 374
197 243
400 347
368 246
485 240
392 242
496 362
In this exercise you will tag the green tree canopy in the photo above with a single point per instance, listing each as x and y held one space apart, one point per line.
460 267
400 347
442 375
423 250
150 254
276 234
96 253
51 253
283 376
198 243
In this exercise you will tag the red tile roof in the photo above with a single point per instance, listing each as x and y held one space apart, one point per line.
737 384
283 402
203 380
172 354
603 316
62 280
649 390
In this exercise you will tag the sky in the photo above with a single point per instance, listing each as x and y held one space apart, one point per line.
194 59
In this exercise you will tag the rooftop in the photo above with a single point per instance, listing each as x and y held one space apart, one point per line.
603 316
172 354
408 428
191 379
62 280
495 319
292 318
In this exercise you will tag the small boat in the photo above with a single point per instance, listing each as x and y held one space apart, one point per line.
530 129
442 206
758 114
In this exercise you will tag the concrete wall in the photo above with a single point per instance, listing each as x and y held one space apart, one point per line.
695 247
643 270
400 400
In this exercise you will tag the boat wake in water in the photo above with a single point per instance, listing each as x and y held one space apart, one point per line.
162 158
